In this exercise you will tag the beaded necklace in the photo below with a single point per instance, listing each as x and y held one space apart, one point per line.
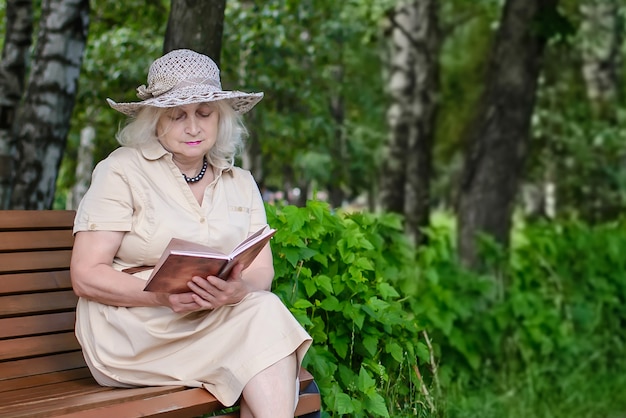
205 164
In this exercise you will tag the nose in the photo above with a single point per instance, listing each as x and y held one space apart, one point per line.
192 127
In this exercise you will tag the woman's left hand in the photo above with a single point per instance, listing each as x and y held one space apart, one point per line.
212 292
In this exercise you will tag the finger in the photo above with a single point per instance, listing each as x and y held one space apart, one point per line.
201 287
203 303
236 273
181 298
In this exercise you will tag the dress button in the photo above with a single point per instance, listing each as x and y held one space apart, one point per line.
92 227
202 220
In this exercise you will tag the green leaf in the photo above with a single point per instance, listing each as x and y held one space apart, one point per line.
353 311
347 376
292 255
365 382
343 404
386 290
371 344
376 405
395 350
311 287
422 352
331 303
364 264
325 283
378 304
340 344
302 304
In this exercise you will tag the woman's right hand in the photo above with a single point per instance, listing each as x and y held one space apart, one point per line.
182 302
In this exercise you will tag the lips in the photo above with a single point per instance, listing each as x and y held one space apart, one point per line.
192 143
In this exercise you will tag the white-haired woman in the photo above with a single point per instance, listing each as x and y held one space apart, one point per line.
174 176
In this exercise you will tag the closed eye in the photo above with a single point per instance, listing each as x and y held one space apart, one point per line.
176 116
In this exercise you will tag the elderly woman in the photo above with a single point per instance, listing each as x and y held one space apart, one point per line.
174 176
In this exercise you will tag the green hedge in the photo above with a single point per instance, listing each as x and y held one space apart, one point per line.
397 329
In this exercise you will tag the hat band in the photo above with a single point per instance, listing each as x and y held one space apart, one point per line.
163 86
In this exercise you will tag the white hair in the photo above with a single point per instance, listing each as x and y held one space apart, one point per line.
230 133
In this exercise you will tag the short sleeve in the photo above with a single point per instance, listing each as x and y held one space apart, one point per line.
258 217
108 203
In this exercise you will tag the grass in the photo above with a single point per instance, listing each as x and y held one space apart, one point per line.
582 393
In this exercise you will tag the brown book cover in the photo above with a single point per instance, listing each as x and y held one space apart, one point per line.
182 260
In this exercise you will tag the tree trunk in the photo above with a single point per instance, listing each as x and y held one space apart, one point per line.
602 34
336 192
84 167
420 147
196 25
399 116
18 39
498 141
413 83
43 120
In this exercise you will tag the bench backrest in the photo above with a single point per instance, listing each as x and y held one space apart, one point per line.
37 304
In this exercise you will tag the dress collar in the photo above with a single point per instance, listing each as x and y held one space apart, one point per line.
153 150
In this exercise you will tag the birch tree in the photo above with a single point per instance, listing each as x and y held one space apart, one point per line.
13 68
43 119
602 36
413 84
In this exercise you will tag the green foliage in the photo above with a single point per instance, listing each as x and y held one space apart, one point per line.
307 56
544 319
559 315
582 154
578 142
338 274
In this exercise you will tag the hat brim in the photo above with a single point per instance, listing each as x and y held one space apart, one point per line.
241 102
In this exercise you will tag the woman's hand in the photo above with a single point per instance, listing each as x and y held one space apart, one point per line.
181 302
212 292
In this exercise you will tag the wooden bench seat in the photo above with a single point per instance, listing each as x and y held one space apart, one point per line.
42 370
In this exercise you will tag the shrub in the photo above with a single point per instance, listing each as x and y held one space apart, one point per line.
337 273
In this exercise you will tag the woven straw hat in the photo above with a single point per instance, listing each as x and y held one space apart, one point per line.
182 77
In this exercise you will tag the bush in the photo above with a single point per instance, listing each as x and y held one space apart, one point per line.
381 313
337 273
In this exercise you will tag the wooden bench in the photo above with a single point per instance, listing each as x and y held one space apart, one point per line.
42 370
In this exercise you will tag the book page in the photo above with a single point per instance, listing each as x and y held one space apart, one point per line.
246 254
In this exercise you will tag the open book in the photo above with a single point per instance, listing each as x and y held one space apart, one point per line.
183 259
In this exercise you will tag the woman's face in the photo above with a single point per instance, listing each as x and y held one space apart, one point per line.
188 131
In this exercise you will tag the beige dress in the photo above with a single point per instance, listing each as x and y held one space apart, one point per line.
142 192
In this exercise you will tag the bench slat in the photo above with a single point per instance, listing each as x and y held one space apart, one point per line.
42 393
34 282
18 348
182 404
37 324
45 379
37 302
85 394
34 240
33 261
19 369
36 219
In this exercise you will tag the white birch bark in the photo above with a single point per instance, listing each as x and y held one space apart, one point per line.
17 42
601 41
84 167
413 85
43 120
